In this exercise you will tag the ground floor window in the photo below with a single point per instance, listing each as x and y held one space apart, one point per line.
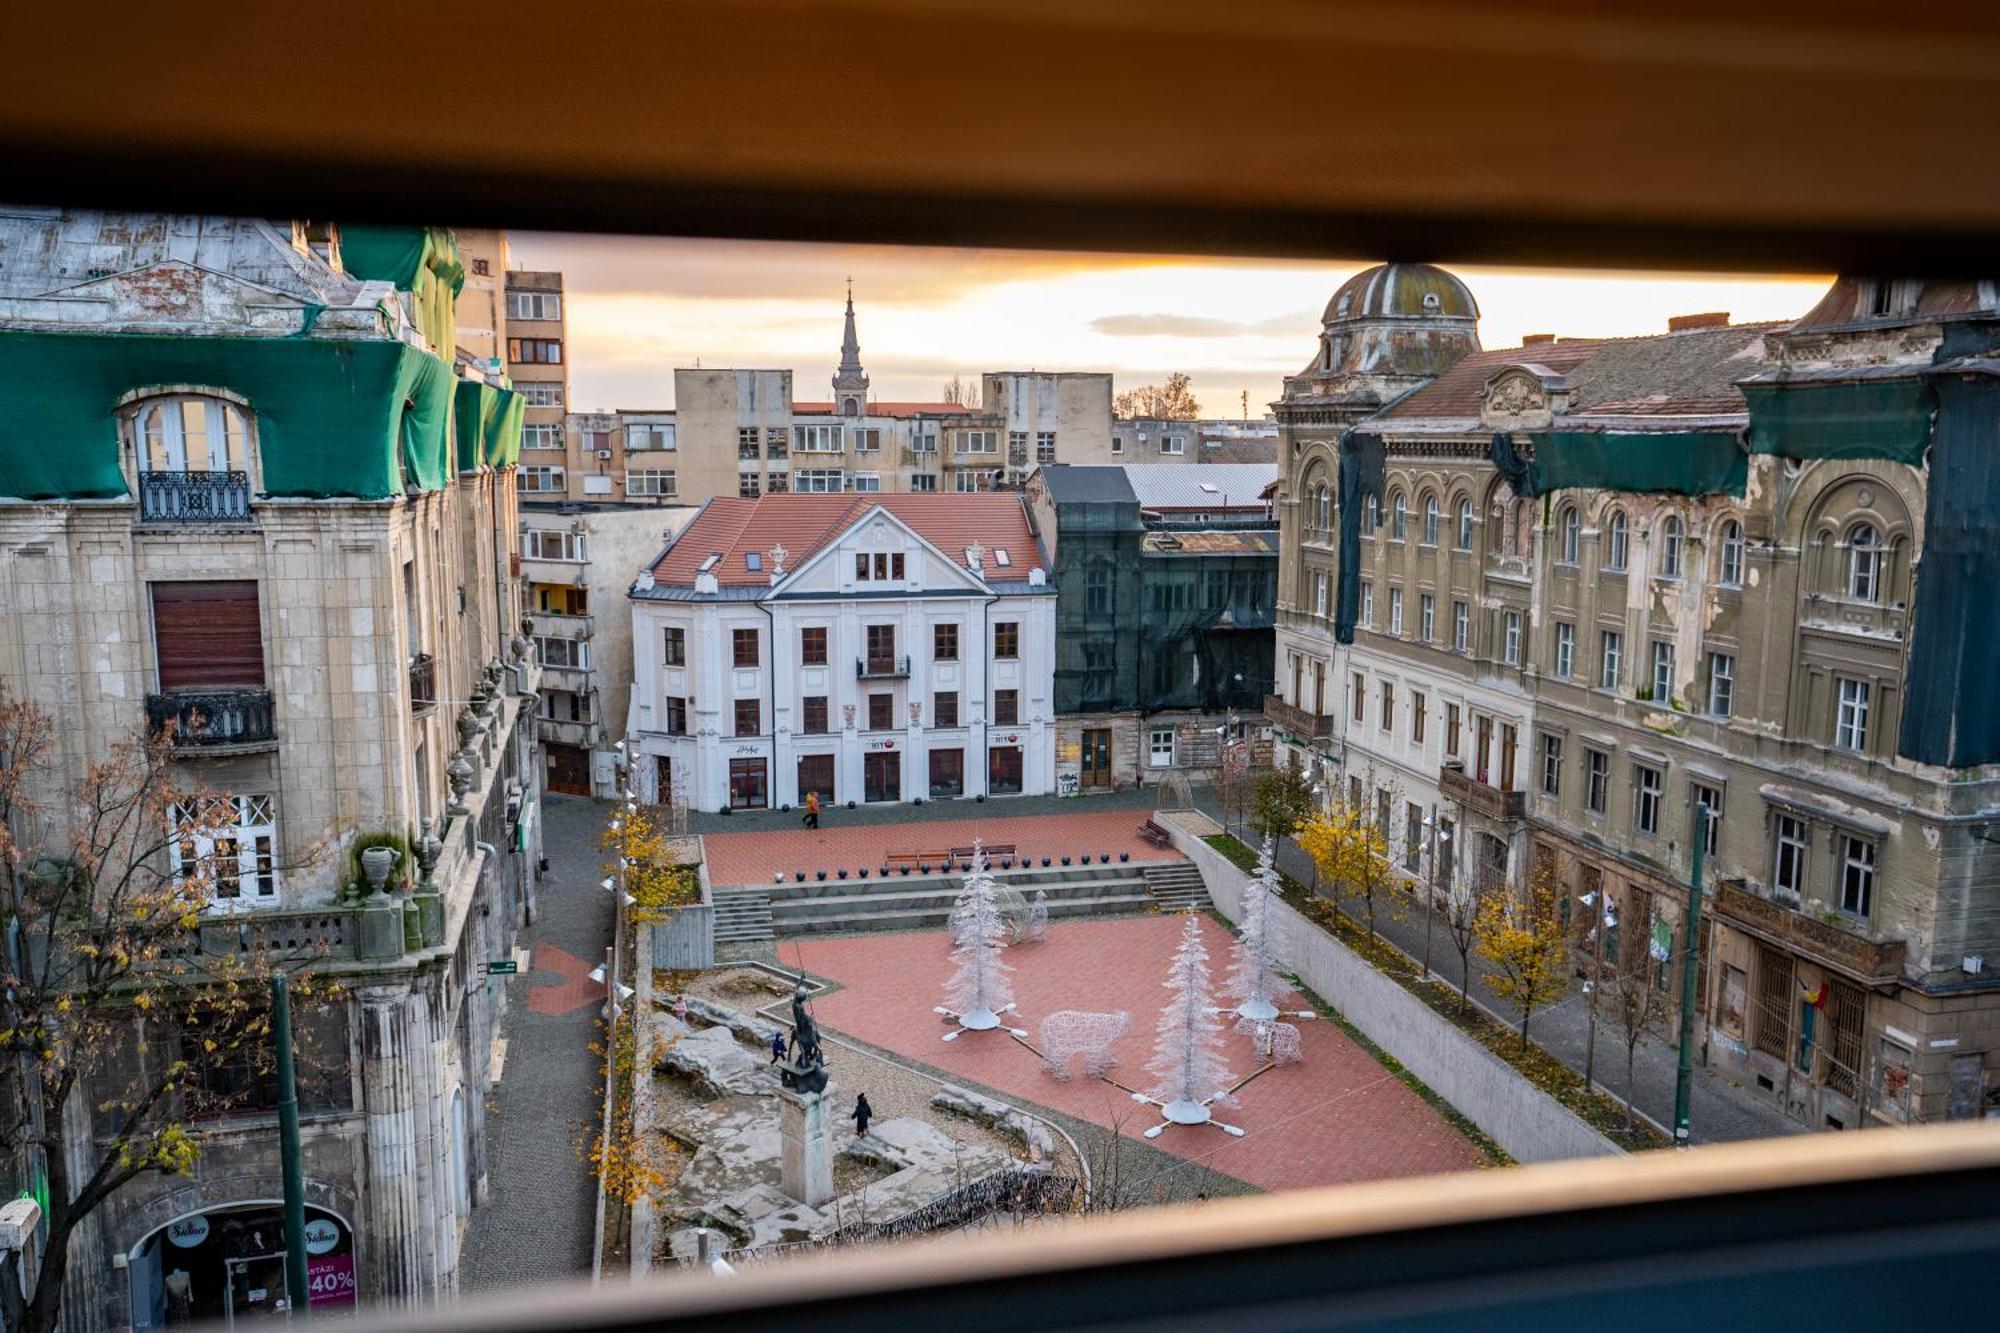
947 772
1160 750
749 784
228 1265
816 775
1003 770
227 846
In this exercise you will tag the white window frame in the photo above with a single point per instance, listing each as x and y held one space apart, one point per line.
1649 788
160 429
1432 518
1565 665
817 438
1395 610
1610 658
1618 542
1790 834
247 820
534 305
1730 572
977 442
1596 781
651 481
1368 603
819 480
925 483
543 435
1864 563
1464 525
1663 672
1426 617
650 437
576 650
1857 862
1173 444
1673 546
570 547
1850 716
1721 684
1510 637
1319 593
866 483
546 480
1696 791
1572 535
1552 758
1156 755
1461 627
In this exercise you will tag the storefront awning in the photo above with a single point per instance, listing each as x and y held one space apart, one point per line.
523 827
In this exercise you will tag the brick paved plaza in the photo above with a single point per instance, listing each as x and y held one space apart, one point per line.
1338 1116
752 857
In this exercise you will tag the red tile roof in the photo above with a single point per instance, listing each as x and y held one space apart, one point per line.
1457 392
889 409
804 524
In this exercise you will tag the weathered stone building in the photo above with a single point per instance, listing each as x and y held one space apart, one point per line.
1557 596
248 496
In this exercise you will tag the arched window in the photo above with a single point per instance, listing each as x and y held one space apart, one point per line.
1673 537
1864 563
1465 525
1730 574
1430 520
1572 534
850 407
1399 517
1371 516
1619 542
191 433
1323 508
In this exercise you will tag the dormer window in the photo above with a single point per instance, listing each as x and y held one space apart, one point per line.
1001 558
193 453
1882 299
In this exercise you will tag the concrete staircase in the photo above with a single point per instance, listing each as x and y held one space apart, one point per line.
917 902
742 916
1177 886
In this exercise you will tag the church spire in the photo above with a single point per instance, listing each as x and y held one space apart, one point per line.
850 382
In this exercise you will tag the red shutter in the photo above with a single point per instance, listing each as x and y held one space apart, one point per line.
208 636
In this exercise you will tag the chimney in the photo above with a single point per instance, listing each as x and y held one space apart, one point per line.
1711 319
1537 339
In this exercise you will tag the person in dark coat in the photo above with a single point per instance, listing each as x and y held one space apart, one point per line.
863 1113
777 1045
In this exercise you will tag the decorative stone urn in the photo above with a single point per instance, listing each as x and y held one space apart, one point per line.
468 727
376 865
429 848
461 773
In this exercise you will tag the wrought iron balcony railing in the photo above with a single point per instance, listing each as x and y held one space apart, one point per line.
1313 726
194 497
881 668
1481 797
423 683
197 718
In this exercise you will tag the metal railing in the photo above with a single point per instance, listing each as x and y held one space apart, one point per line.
1298 721
194 497
1480 797
423 683
198 718
881 668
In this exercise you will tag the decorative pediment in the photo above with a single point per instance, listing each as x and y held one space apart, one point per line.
1524 394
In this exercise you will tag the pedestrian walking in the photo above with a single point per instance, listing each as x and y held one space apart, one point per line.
681 1008
777 1045
812 809
863 1113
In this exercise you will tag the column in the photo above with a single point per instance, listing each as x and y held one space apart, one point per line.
390 1217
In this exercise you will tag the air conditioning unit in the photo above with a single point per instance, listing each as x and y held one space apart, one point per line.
604 453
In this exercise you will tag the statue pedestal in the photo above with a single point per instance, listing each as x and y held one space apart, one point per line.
806 1171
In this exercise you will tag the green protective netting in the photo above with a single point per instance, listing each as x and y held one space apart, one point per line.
333 418
472 410
1363 465
1688 462
423 261
503 430
1951 713
1864 419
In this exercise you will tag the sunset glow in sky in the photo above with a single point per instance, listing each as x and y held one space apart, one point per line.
640 306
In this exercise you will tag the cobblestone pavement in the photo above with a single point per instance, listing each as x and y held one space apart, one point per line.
999 807
540 1217
746 857
1721 1111
1337 1116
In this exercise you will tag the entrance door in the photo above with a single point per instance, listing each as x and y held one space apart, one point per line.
1097 757
256 1288
663 780
569 770
882 776
816 774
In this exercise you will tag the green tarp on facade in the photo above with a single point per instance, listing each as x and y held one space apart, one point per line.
423 261
1710 462
503 430
1888 419
1363 467
488 425
333 418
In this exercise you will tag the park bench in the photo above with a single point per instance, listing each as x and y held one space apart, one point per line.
1156 835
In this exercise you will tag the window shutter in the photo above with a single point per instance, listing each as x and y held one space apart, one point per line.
208 636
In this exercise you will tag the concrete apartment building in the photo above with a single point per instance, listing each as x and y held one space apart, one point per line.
870 649
1167 581
247 497
576 563
537 350
1548 596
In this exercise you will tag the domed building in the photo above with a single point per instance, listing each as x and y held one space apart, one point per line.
1387 330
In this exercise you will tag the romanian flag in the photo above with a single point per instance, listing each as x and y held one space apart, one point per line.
1815 995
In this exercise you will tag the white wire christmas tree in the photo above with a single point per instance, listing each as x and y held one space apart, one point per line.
1187 1058
979 991
1251 981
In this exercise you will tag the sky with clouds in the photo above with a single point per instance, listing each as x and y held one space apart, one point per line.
640 306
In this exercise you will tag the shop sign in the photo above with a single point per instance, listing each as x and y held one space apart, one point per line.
188 1232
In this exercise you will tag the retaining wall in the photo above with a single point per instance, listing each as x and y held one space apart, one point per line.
1525 1121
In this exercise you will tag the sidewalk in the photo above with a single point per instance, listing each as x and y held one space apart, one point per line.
1721 1110
540 1216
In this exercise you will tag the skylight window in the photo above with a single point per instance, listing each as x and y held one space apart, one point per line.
710 563
753 561
1000 557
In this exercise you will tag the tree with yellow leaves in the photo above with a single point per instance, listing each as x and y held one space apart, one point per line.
119 1034
654 875
1350 848
1521 932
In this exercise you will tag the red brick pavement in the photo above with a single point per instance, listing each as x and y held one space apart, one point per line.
1336 1117
752 858
574 991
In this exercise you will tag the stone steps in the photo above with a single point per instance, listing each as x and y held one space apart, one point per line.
875 917
742 916
1177 887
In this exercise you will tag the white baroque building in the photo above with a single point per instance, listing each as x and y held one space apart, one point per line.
870 648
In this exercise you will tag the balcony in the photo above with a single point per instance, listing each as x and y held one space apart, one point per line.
423 683
1481 798
1872 962
585 735
212 719
549 625
882 668
574 680
1312 726
194 497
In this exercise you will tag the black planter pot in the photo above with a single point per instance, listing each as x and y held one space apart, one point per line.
850 805
786 808
799 875
883 872
924 867
904 869
980 799
819 875
1065 860
842 873
1104 858
1045 860
1006 863
1124 857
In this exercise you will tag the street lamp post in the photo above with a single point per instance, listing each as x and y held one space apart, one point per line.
1434 836
1684 1069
